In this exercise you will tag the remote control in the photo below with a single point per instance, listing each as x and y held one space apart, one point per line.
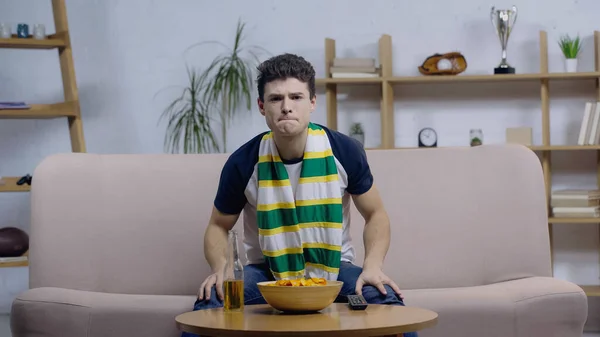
357 302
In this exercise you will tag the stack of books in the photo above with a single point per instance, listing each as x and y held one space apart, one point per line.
354 68
589 132
574 203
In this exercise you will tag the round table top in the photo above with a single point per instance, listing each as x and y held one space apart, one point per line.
335 320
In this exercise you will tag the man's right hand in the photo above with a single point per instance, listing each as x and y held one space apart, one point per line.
215 279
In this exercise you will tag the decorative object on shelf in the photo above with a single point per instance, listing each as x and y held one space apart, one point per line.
23 30
503 21
216 93
357 132
5 30
521 136
428 137
39 31
13 242
476 137
452 63
570 48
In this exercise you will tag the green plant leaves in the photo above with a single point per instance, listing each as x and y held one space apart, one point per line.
188 125
570 46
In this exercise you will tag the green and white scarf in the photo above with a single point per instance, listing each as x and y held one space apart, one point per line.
300 235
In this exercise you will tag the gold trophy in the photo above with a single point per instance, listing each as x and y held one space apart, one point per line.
503 20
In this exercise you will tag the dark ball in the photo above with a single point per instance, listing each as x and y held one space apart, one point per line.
13 242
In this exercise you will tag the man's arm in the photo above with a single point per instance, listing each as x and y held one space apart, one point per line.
215 239
376 235
215 251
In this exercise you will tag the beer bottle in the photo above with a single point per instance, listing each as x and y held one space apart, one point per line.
233 277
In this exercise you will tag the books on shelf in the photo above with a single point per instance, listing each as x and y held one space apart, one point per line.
354 68
589 132
575 203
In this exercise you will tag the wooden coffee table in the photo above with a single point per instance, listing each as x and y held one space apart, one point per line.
335 320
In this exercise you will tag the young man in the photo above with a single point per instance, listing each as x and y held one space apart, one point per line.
293 185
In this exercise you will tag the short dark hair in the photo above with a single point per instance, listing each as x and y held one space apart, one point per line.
285 66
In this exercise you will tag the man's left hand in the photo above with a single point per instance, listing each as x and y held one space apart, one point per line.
376 278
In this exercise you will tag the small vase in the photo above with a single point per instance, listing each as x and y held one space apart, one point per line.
571 65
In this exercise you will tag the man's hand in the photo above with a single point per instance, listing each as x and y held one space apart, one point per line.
376 278
215 279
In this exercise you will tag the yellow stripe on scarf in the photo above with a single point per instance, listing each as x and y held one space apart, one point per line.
270 207
273 183
312 202
319 132
268 158
297 250
320 179
295 228
290 250
318 154
323 267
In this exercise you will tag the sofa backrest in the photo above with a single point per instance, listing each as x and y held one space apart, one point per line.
135 223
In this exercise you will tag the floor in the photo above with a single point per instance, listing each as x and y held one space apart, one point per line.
5 328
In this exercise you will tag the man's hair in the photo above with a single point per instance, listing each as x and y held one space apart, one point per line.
282 67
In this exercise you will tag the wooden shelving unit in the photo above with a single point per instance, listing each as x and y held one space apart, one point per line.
68 109
387 81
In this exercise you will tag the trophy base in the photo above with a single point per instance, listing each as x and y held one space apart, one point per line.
504 70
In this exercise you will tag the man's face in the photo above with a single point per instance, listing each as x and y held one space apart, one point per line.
287 106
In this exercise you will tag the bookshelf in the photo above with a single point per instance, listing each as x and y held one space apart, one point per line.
68 109
386 80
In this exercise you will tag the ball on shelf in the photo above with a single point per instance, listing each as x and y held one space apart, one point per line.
444 64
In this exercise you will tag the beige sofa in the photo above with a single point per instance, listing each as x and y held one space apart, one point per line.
116 243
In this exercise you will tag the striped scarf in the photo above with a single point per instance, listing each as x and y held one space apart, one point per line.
300 235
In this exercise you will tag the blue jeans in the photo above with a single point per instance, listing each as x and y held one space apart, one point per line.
348 274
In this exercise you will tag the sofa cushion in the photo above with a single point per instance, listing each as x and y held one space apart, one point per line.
534 306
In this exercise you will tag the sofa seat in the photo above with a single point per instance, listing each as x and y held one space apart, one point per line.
527 307
57 312
533 306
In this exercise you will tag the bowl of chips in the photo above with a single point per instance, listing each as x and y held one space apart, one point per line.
300 295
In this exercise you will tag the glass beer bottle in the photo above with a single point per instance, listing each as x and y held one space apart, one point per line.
233 284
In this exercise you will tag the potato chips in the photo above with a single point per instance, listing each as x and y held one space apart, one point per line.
302 282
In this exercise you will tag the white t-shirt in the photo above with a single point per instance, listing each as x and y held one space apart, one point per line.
238 187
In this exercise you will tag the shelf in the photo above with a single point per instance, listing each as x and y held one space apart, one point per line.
57 110
591 290
9 184
51 42
21 263
496 78
357 80
14 264
565 147
532 147
463 78
573 220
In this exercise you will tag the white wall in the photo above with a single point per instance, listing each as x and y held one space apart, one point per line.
127 51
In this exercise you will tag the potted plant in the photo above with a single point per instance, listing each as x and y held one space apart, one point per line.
570 48
214 94
188 126
357 132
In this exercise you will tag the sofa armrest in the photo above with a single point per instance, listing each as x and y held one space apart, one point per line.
72 313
